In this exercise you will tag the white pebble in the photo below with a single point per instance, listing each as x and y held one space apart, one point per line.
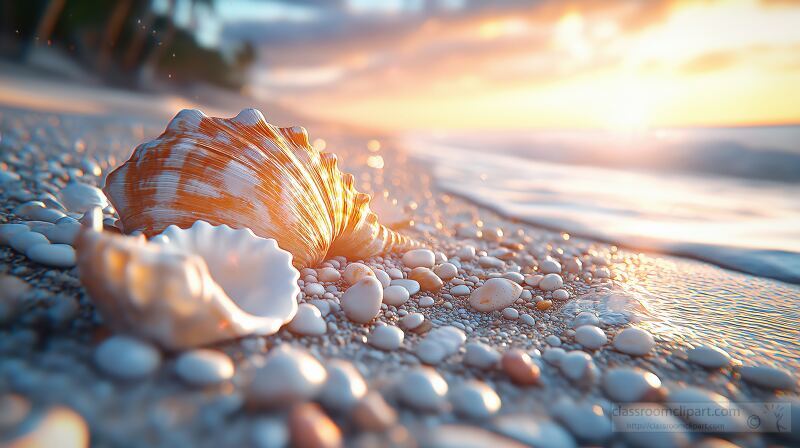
288 375
634 341
395 295
446 271
79 197
460 290
630 385
412 321
7 230
709 357
510 313
495 294
22 241
308 321
412 286
314 289
490 262
344 387
590 337
560 294
203 367
551 282
328 275
362 301
382 277
423 389
475 400
585 318
553 340
127 358
577 365
355 272
768 377
481 355
419 258
426 301
55 255
465 253
533 280
554 355
528 319
550 267
394 273
386 337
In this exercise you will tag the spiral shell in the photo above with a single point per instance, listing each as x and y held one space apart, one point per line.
189 287
247 173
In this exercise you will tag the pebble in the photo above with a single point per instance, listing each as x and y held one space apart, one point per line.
528 319
475 400
490 262
419 258
717 410
309 426
362 301
768 377
634 341
63 232
554 355
585 318
289 375
533 280
550 267
53 255
456 435
709 357
394 273
465 253
551 282
510 313
519 366
372 413
411 321
79 197
7 230
355 272
446 271
423 388
36 211
344 387
460 290
560 294
22 241
553 340
127 358
631 385
428 281
386 337
590 337
577 366
395 295
204 367
651 415
328 275
481 355
586 421
515 277
410 285
534 431
314 289
12 291
308 321
382 277
322 305
573 265
426 301
439 344
495 294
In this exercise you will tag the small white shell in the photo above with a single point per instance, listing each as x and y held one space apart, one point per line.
193 287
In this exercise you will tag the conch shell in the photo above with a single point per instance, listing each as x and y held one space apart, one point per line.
247 173
191 287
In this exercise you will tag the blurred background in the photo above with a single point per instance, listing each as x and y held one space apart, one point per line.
667 125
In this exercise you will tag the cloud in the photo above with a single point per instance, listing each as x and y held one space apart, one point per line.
710 62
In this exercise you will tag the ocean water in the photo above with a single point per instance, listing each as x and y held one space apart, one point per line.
728 196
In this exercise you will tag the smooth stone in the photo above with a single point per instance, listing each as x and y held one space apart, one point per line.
454 435
426 302
355 272
590 337
573 265
528 319
465 253
481 355
519 366
709 357
554 355
362 301
54 426
62 233
439 344
491 262
495 294
411 321
515 277
269 433
551 282
313 289
394 273
79 197
630 385
372 413
328 275
12 291
54 255
768 377
550 267
204 367
560 294
577 365
717 410
430 352
127 358
428 281
533 280
474 400
308 321
419 258
460 290
344 387
22 241
585 318
8 230
446 271
424 389
634 341
410 285
383 277
323 305
587 422
553 340
534 431
289 375
510 313
645 415
309 426
386 337
395 295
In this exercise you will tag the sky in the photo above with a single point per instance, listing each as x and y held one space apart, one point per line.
461 64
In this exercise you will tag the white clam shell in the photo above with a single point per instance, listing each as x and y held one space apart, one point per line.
191 287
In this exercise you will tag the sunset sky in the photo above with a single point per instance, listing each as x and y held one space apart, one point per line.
509 65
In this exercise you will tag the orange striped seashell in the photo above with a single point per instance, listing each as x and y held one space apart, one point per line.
247 173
